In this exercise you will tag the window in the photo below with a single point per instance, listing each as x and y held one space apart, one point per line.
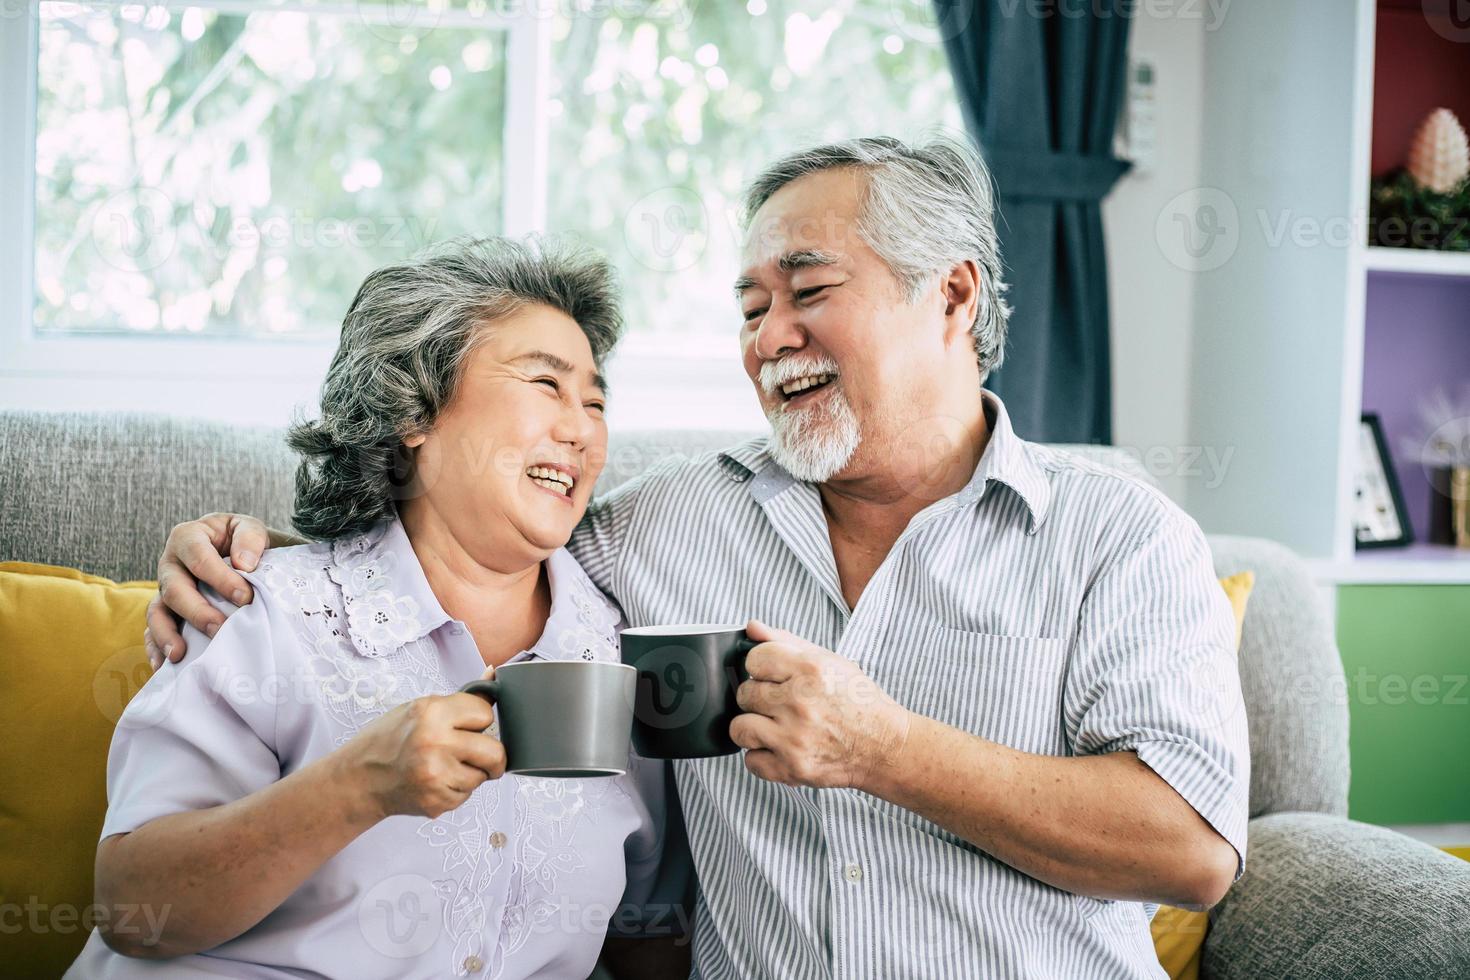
202 186
658 122
210 171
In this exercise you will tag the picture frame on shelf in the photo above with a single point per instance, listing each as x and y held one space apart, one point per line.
1380 519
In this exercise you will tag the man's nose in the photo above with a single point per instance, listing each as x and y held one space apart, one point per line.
779 332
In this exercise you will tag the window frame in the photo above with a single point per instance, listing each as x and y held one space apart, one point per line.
30 356
259 380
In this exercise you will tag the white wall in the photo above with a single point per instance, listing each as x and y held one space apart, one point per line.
1151 298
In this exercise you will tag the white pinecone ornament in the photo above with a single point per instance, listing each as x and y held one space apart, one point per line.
1439 157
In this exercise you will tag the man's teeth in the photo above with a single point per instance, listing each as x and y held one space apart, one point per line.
802 384
551 479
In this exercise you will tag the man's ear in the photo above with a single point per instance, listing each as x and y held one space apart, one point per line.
961 288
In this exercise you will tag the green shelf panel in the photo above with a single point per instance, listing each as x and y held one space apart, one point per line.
1406 650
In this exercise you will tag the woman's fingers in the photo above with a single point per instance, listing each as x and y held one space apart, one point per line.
484 753
469 712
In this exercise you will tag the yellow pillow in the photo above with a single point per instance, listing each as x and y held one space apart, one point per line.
1238 590
1179 935
71 656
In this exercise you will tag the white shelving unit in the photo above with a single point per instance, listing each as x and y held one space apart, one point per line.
1417 262
1278 360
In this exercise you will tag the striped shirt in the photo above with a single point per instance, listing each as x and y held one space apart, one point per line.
1052 605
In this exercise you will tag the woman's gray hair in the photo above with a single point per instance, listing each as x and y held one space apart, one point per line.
401 356
928 207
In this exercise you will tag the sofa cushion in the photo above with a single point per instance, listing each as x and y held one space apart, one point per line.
1324 898
71 657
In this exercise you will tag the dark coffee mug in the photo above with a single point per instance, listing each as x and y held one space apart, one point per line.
687 676
563 718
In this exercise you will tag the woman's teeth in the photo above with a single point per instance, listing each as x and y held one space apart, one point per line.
544 476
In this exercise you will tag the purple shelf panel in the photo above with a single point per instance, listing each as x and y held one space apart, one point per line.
1416 338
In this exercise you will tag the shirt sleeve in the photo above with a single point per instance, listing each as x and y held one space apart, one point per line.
1155 673
200 733
597 543
659 898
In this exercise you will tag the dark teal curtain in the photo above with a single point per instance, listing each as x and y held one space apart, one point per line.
1040 83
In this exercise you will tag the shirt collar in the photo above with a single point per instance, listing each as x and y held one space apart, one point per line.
1008 460
384 589
1011 461
389 602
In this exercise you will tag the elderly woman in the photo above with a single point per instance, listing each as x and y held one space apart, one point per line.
308 796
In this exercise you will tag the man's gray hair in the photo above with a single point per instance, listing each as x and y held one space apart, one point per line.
404 344
928 207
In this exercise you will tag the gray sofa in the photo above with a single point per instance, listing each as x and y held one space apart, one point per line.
1322 896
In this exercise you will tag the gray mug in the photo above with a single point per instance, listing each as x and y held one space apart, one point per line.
564 718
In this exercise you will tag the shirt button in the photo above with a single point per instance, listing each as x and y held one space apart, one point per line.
853 873
473 964
497 840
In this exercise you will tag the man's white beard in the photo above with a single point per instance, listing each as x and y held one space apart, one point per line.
816 442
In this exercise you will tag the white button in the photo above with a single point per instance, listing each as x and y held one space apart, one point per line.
852 873
497 840
473 964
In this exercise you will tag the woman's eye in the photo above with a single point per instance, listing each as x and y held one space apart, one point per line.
547 381
599 406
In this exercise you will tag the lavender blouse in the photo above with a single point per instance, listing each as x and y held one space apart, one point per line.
522 880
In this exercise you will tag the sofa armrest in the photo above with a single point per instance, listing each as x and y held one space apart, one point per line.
1323 897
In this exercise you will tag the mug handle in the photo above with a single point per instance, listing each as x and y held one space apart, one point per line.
489 690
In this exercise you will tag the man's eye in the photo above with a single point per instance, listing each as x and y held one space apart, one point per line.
809 292
754 314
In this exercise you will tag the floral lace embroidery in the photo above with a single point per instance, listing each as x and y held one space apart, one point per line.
364 650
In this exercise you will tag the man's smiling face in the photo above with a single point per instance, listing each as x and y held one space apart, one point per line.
836 351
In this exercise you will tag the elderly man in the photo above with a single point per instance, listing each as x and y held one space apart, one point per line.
995 714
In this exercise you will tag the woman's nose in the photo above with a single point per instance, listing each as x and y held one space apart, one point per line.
575 426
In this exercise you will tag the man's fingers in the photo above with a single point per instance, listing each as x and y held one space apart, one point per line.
181 595
771 662
163 632
155 656
754 731
760 697
201 558
764 764
249 538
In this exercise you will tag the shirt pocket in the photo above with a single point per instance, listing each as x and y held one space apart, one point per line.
1007 689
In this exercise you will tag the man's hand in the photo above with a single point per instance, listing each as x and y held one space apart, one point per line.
813 718
195 553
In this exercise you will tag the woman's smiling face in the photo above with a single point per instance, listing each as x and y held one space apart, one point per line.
509 465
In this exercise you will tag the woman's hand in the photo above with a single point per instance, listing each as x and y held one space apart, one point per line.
426 757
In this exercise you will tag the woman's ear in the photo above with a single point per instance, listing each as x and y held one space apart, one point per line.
416 440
